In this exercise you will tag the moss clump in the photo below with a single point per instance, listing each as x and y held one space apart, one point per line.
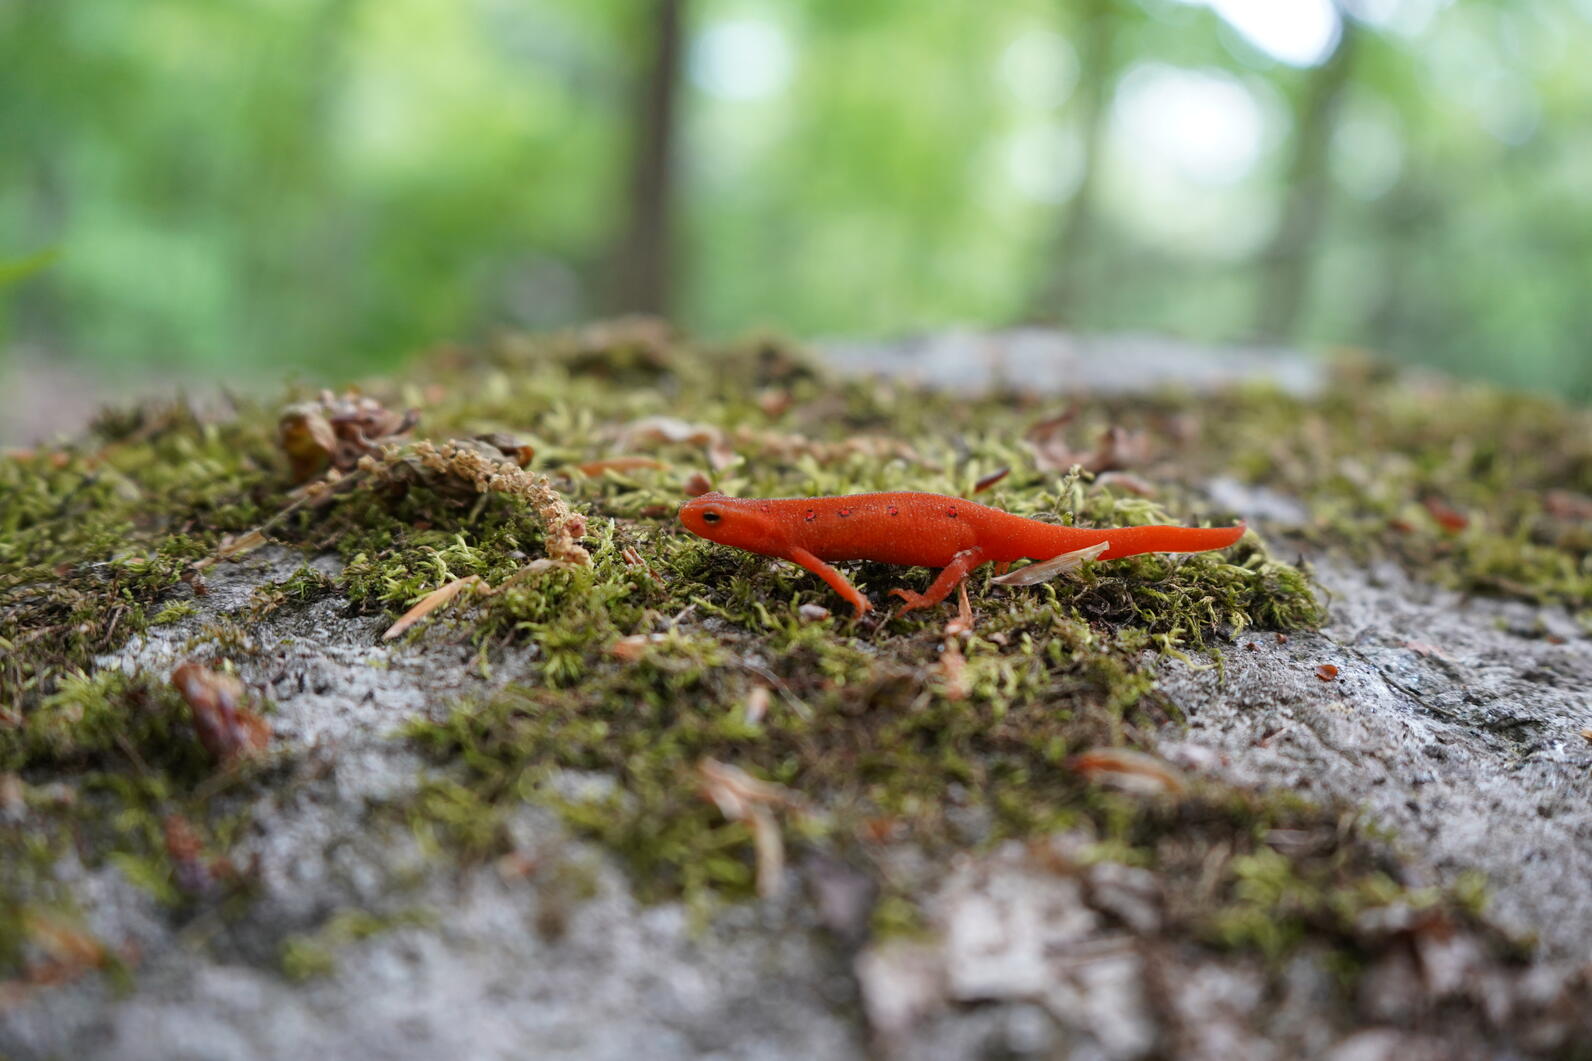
309 955
97 538
665 651
1482 490
108 719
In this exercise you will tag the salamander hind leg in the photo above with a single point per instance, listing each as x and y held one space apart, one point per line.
954 572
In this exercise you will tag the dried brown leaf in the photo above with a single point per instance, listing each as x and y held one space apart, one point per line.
1045 570
1447 516
953 670
431 602
742 797
620 464
1130 771
991 479
228 729
237 545
306 436
735 792
335 432
511 446
1116 449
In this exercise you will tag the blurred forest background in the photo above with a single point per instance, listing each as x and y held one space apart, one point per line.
323 186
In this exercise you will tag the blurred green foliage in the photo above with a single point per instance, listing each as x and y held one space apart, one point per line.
329 184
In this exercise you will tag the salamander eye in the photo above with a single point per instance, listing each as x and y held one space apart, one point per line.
711 517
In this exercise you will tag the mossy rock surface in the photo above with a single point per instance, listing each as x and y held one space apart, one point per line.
1329 788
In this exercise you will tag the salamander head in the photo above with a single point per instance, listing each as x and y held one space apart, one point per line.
735 521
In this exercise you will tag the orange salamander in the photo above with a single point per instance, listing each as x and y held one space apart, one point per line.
924 530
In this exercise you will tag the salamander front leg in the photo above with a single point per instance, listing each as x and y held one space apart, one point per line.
954 572
836 580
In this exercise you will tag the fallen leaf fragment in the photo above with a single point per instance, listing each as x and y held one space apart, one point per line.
742 797
757 704
1130 771
1045 570
1566 505
963 623
953 670
813 612
306 436
511 446
1586 734
656 430
735 791
720 456
668 429
697 484
635 646
991 479
1116 449
431 602
773 401
620 464
335 432
633 558
236 545
1446 515
227 729
1327 672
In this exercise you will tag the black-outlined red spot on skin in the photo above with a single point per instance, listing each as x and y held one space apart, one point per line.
951 512
812 514
893 511
843 512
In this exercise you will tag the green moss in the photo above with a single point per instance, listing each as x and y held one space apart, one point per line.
1382 464
306 956
109 718
644 664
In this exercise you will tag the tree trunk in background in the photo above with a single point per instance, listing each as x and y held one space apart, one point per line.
643 261
1402 214
1286 261
1065 287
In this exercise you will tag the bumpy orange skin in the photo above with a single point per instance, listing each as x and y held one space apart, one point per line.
917 530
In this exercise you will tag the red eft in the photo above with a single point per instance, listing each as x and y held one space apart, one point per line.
923 530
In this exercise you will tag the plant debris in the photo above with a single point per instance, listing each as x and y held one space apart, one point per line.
1130 771
336 432
743 798
226 726
431 602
